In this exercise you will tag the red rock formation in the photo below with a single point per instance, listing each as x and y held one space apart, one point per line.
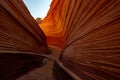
19 33
89 33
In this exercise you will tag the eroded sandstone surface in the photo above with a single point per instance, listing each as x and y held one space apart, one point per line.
86 33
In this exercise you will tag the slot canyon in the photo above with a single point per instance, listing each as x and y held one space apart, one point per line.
77 40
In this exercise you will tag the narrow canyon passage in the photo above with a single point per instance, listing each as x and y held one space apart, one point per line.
45 71
84 35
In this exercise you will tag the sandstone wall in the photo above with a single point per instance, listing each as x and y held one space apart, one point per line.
21 40
88 31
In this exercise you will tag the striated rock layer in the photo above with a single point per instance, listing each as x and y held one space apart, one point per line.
21 40
88 31
19 31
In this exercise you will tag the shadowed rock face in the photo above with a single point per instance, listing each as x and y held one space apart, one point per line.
19 33
18 30
87 32
60 74
13 66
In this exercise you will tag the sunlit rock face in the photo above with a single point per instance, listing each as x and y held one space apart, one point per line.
19 33
54 24
88 31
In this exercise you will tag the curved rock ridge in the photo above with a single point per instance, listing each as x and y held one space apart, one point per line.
88 31
53 25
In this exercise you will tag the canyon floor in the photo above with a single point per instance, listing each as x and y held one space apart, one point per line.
44 72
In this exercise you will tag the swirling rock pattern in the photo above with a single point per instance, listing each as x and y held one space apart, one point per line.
88 31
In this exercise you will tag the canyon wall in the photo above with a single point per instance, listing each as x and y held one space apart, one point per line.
19 31
88 31
21 40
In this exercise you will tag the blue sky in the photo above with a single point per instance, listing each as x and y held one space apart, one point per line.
38 8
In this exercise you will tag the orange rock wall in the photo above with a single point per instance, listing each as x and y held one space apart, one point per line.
89 33
54 25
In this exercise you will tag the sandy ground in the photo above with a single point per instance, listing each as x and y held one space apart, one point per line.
44 72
